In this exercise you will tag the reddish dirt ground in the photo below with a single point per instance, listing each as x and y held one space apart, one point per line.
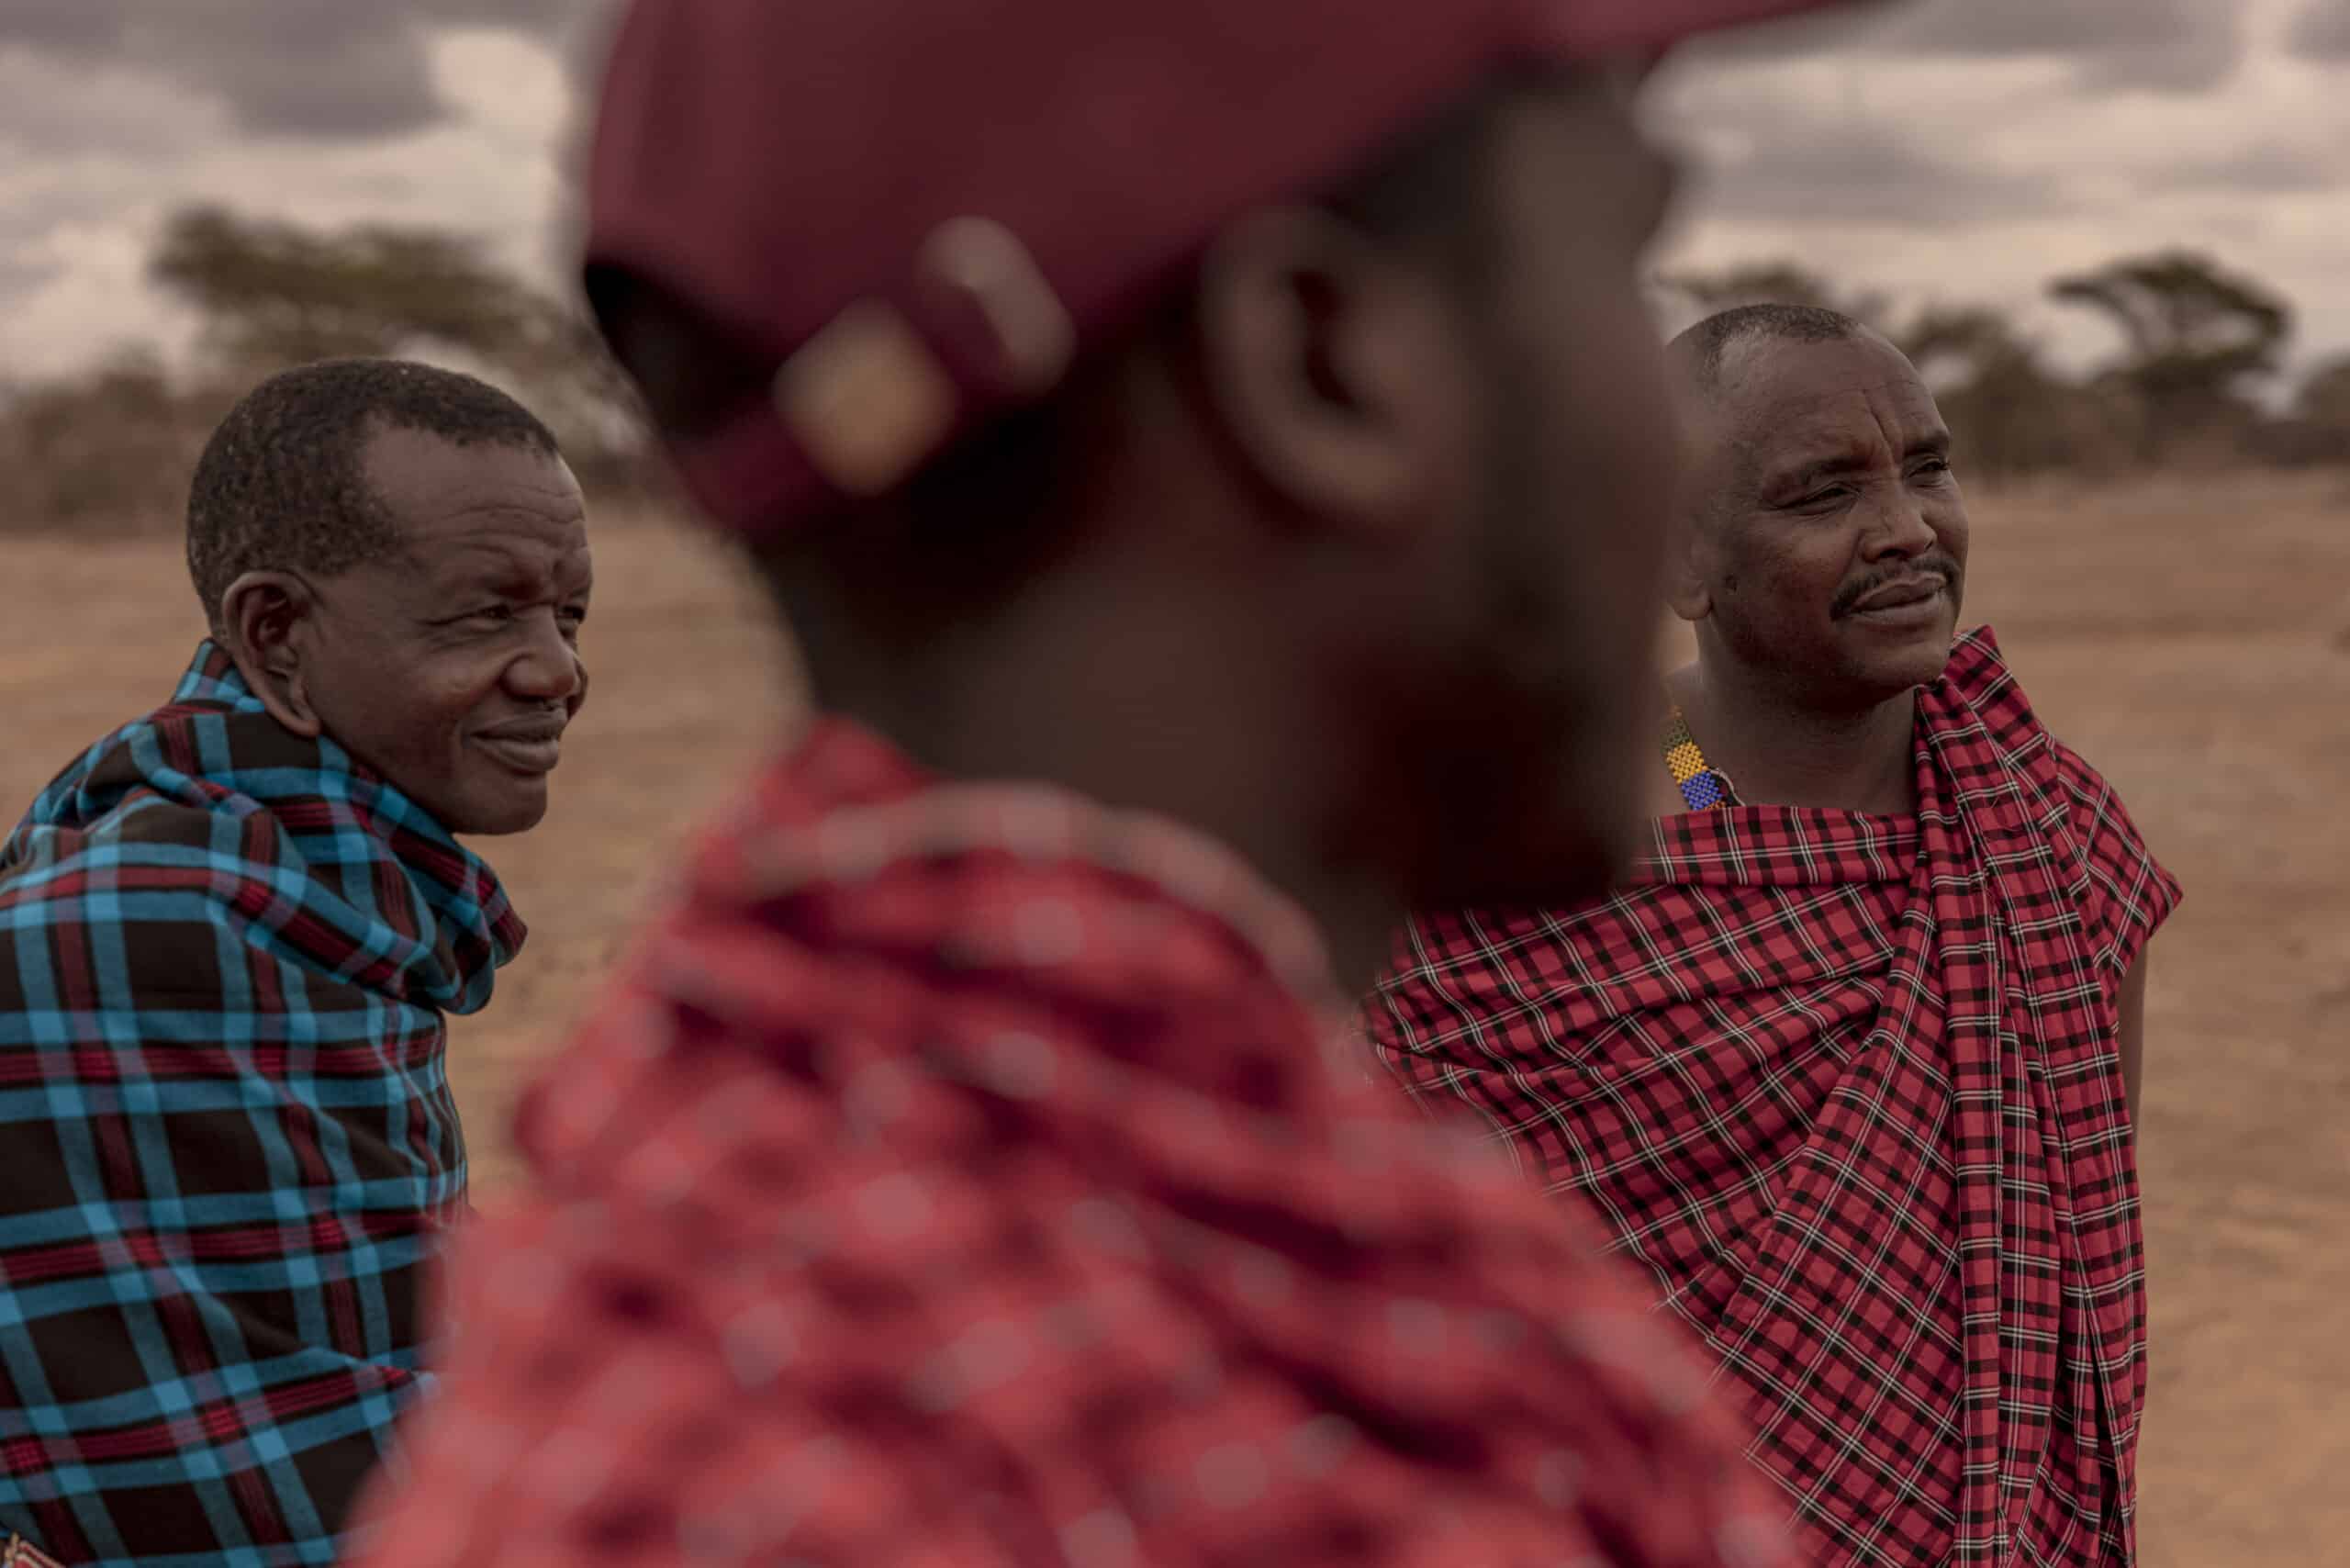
2192 640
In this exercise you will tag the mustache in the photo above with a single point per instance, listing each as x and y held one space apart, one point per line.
1939 566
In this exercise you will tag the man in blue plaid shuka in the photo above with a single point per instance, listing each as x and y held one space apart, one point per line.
229 935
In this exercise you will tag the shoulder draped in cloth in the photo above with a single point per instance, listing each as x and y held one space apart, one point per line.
966 1175
1848 1086
230 1144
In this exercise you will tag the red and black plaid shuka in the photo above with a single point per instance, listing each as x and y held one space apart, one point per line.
1848 1086
966 1175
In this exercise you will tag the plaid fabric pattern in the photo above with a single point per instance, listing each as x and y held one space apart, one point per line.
1848 1086
966 1176
225 954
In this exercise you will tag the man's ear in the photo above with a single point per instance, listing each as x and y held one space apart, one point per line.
1685 581
1691 539
266 619
1333 366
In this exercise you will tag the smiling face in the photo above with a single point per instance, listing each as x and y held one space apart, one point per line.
1827 553
452 667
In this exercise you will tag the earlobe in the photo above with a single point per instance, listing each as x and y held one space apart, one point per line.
1686 589
265 619
1689 599
1317 363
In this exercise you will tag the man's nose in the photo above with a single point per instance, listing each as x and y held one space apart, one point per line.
1897 528
549 670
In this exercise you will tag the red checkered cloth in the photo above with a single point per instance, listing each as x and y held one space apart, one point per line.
1848 1086
969 1175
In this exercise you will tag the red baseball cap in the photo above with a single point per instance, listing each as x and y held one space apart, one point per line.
924 210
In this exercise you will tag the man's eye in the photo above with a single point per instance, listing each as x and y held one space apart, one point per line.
492 614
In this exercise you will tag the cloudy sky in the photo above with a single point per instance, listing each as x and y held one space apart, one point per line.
1957 150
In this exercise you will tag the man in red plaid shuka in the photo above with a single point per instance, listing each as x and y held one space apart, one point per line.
1849 1067
1213 417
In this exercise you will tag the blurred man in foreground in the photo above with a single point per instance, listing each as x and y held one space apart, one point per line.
1211 453
232 933
1852 1068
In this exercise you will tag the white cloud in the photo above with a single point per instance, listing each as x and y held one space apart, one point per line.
1962 151
76 225
2322 31
2163 46
280 67
1930 176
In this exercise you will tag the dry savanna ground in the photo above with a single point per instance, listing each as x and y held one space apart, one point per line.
2193 640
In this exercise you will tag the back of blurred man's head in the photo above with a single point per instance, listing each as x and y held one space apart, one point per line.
1380 404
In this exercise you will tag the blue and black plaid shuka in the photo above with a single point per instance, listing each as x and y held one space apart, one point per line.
226 1140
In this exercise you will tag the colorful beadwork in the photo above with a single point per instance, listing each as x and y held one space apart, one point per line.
1701 786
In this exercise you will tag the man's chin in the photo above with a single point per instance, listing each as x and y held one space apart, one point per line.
1858 681
509 812
1921 666
1895 660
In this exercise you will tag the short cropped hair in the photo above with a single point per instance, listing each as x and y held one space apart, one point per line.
1700 350
283 483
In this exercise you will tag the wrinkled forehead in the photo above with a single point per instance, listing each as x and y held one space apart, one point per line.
1788 404
488 512
439 489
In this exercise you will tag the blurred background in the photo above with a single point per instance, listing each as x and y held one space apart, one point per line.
2113 232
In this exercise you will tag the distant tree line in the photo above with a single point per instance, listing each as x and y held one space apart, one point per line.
2196 383
114 446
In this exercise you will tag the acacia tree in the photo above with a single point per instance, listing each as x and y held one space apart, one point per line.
2195 338
273 295
2324 397
2317 429
106 450
2009 412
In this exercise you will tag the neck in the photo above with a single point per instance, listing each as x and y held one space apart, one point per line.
1780 751
1144 689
